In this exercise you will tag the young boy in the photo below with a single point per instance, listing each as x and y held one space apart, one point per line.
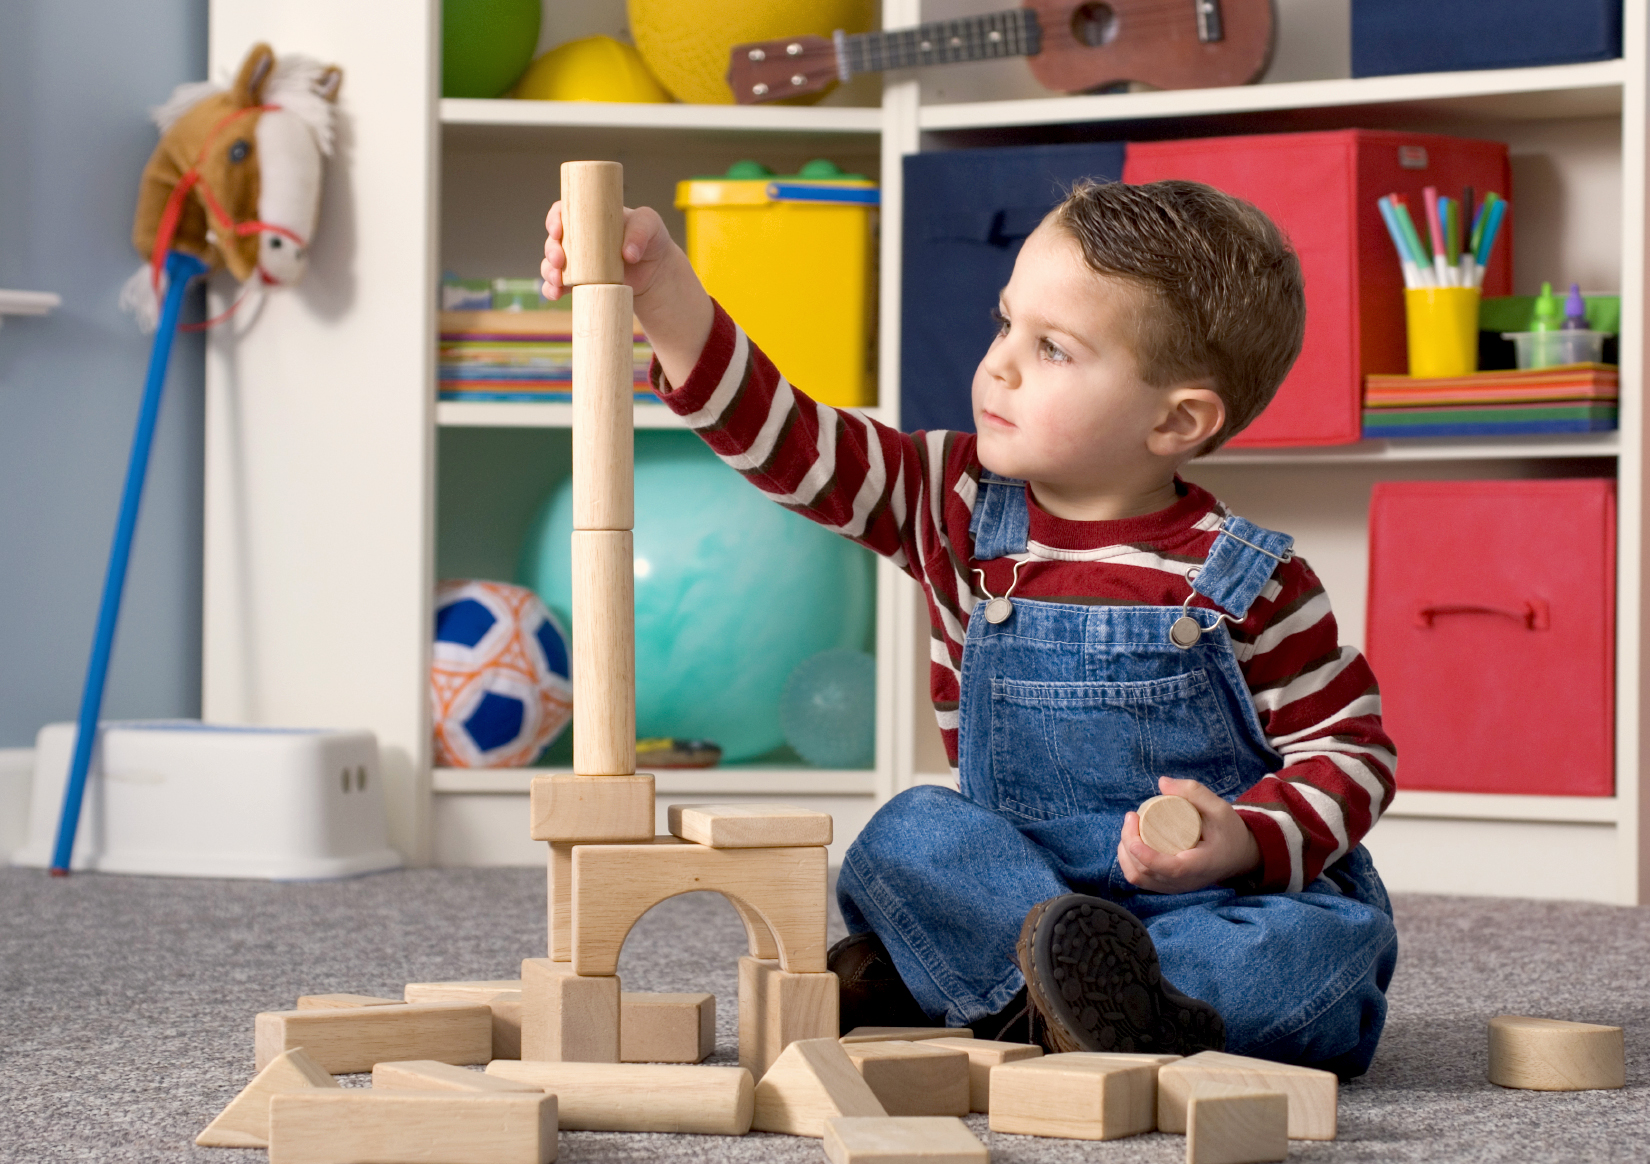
1102 632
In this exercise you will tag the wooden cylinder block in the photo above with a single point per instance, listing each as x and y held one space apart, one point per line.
1551 1055
641 1097
1170 824
604 653
592 222
603 408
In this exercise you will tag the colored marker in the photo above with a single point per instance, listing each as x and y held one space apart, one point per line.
1412 271
1407 224
1435 231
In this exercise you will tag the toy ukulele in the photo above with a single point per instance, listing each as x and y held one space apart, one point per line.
1071 47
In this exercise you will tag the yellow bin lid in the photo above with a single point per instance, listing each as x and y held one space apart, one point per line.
752 184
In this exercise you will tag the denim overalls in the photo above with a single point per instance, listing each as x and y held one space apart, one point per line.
1068 715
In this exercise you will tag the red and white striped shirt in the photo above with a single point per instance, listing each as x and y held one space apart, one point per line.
910 497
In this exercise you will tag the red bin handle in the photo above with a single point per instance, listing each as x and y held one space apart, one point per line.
1534 616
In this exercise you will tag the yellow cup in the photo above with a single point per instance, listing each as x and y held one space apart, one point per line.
1443 331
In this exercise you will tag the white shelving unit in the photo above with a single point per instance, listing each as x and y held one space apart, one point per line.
323 430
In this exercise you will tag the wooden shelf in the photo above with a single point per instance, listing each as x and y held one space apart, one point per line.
28 302
1554 91
526 414
674 128
1604 444
1493 806
723 780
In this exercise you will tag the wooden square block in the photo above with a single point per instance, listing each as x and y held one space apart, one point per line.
1236 1125
592 809
912 1140
777 1008
244 1123
1072 1097
358 1126
983 1055
904 1034
342 1001
914 1079
811 1081
666 1028
354 1038
428 1075
559 897
1312 1093
502 996
1553 1055
566 1018
750 826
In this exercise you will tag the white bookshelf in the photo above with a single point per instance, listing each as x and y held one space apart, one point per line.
323 474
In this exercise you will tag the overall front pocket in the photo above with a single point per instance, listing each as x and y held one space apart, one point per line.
1060 749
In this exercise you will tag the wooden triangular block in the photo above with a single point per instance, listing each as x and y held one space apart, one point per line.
811 1081
245 1122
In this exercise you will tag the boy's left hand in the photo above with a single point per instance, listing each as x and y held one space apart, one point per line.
1226 849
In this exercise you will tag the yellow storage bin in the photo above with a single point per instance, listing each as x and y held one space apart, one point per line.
791 258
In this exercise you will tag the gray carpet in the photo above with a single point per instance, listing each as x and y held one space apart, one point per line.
126 1009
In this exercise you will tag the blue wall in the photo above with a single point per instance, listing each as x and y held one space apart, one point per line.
76 80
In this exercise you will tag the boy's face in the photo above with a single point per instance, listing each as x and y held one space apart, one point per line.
1058 398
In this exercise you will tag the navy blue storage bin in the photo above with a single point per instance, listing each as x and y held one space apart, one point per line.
966 214
1442 36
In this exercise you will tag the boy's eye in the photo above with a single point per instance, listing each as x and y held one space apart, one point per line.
1052 352
1001 320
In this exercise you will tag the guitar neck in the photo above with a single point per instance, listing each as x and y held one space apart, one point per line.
1014 33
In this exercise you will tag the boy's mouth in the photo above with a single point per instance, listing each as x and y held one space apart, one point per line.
987 415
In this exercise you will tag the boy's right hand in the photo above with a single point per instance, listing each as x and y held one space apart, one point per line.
672 305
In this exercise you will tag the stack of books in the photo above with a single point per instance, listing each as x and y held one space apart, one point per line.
518 355
1573 398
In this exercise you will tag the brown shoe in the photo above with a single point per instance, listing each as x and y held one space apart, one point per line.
1093 979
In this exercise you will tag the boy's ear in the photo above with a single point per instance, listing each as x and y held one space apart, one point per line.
1192 414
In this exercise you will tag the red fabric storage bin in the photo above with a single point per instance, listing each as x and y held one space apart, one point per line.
1320 188
1492 633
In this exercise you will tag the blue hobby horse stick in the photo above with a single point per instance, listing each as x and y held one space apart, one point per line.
180 269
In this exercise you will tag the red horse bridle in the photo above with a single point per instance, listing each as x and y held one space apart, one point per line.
173 212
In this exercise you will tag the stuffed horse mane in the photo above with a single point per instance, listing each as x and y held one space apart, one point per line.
236 177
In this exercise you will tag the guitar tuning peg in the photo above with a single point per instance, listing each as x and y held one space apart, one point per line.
757 55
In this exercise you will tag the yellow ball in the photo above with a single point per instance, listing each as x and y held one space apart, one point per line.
686 42
597 68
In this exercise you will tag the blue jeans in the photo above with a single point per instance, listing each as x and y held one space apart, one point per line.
1068 714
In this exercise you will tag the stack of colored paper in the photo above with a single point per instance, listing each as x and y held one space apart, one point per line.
1573 398
518 355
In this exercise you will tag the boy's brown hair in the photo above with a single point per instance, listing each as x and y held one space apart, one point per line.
1223 296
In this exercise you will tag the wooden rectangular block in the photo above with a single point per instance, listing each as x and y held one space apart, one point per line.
244 1123
604 653
983 1055
358 1126
613 885
604 410
666 1028
777 1008
1312 1093
354 1038
642 1097
592 216
749 826
914 1079
559 896
342 1001
913 1140
428 1075
566 1018
592 809
1236 1125
1072 1097
502 996
811 1081
904 1034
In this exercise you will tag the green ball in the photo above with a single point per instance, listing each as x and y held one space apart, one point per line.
486 45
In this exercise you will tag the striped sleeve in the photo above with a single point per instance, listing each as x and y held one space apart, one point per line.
1320 708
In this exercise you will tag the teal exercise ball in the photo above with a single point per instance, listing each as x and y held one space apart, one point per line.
732 593
829 709
486 45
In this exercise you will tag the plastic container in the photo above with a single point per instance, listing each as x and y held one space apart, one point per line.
1552 349
791 259
1442 324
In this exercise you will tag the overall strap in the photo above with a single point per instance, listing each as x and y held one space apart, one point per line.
1239 563
1001 523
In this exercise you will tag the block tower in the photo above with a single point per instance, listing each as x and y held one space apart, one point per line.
606 866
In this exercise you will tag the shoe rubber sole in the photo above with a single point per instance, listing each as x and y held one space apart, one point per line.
1092 972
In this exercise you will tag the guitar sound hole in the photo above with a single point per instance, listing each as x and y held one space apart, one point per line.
1094 25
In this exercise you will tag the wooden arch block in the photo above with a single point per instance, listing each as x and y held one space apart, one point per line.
1540 1054
614 885
1170 824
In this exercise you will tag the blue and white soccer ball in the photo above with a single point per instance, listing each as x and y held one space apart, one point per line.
501 688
